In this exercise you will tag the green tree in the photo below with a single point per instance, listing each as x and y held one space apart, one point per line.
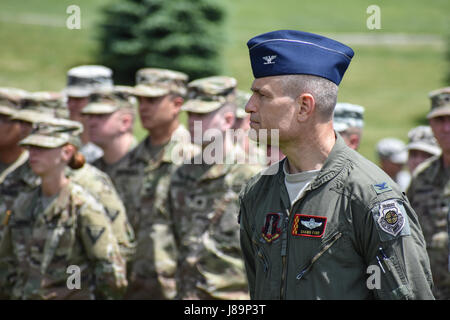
183 35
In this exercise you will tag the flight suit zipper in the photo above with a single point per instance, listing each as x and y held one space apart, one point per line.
324 249
284 248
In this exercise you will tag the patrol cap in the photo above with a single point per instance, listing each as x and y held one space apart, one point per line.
83 80
108 102
32 116
49 102
440 103
7 111
347 115
155 82
393 150
286 52
422 138
208 94
242 98
48 136
11 97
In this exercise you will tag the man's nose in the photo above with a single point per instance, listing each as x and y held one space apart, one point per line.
250 106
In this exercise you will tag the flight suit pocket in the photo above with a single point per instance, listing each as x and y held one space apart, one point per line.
394 283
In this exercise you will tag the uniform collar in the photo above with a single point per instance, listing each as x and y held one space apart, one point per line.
331 167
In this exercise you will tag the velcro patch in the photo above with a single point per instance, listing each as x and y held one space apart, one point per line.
381 187
271 229
391 218
308 226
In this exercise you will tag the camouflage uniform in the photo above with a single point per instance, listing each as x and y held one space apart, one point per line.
14 178
429 194
90 178
142 179
99 184
46 236
204 205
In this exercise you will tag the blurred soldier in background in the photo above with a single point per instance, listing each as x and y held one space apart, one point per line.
81 82
204 198
142 179
348 120
110 118
393 156
421 146
58 225
429 194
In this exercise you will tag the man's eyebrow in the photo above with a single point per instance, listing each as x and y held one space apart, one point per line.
261 91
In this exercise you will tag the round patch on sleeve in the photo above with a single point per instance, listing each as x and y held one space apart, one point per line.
391 218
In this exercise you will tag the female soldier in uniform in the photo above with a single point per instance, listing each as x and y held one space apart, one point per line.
58 234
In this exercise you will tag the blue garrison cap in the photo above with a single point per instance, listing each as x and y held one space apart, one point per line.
286 52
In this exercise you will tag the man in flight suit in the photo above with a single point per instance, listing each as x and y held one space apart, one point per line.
328 224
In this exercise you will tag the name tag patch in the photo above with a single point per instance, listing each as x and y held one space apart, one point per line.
308 226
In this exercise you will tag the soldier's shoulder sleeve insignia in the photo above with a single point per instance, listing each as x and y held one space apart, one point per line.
391 219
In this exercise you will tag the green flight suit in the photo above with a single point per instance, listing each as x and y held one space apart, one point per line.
353 235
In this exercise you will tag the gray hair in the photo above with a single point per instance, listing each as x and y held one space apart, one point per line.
323 90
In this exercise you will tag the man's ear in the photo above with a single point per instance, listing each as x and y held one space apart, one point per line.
126 121
178 103
229 118
307 105
354 141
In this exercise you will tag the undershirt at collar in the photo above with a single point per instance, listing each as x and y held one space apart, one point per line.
296 183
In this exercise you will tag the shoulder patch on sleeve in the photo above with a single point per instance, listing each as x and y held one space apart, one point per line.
391 219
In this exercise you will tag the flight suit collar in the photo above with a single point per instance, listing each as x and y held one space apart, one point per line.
332 166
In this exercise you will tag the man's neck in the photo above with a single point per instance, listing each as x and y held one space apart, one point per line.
162 134
310 152
10 154
117 148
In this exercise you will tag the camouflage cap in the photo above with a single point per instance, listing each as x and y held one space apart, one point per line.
54 103
393 150
54 136
83 80
242 98
108 102
440 103
8 111
347 115
11 97
422 138
32 116
208 94
155 82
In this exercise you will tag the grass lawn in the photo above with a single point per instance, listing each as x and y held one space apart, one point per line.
391 81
